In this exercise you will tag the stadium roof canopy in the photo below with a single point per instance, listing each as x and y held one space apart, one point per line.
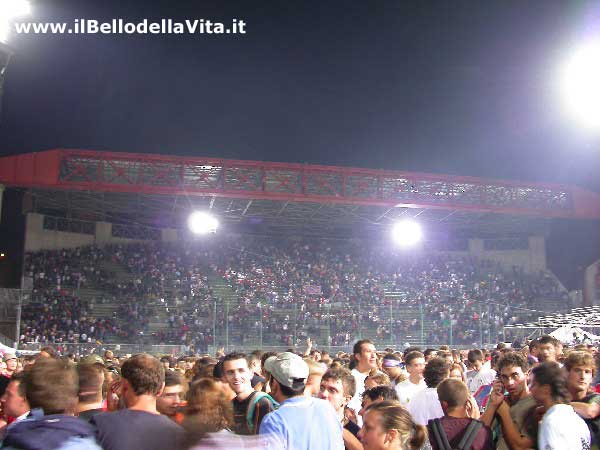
161 190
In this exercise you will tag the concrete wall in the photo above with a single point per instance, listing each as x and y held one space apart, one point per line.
37 238
532 259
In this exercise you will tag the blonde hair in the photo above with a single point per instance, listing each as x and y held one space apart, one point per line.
378 377
314 367
392 416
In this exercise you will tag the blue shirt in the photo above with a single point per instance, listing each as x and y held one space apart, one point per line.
303 423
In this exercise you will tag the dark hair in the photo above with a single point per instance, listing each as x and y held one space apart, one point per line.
344 375
203 362
173 378
291 391
218 371
395 417
411 349
207 371
429 351
551 374
383 392
144 373
51 384
436 371
234 356
358 345
547 339
513 359
408 359
475 355
91 379
18 378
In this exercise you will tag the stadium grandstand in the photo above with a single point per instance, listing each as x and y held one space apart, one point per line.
302 251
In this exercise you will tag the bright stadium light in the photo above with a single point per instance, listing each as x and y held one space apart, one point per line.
407 233
10 10
200 222
580 84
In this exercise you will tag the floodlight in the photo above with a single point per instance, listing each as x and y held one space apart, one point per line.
200 222
580 84
10 10
407 233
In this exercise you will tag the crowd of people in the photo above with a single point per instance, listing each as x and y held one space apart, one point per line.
286 290
56 315
542 396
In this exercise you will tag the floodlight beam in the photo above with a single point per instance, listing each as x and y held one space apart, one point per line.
407 233
200 222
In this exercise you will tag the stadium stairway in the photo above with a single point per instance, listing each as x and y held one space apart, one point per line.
92 296
407 314
118 273
227 299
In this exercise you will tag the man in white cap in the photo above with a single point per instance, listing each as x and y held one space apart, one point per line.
300 423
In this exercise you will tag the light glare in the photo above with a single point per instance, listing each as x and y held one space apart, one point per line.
202 223
10 10
581 86
407 233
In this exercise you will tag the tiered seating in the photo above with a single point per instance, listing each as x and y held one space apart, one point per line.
253 290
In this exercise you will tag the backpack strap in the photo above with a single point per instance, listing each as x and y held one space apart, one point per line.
256 396
469 435
439 434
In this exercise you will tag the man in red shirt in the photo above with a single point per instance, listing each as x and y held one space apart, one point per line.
458 412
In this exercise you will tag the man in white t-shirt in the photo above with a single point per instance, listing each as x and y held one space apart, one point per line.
561 428
415 365
365 355
478 375
425 404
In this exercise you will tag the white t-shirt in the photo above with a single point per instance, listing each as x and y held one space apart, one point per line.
561 429
356 402
478 378
407 390
424 406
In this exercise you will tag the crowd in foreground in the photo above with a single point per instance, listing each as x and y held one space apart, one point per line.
542 396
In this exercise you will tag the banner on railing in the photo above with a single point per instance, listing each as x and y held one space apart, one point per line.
312 289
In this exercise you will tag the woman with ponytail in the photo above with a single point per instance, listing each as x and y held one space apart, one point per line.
389 426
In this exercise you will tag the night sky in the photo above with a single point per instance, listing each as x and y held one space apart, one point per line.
460 87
